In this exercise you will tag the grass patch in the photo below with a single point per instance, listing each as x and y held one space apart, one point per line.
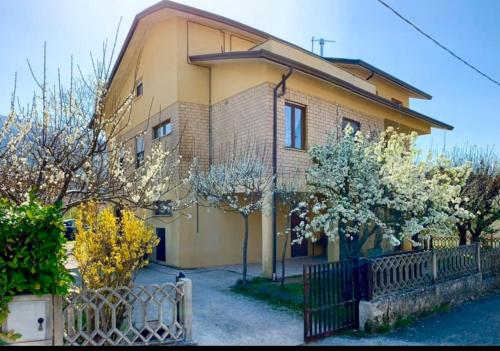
290 297
404 322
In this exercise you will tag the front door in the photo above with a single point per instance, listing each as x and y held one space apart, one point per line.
298 250
160 249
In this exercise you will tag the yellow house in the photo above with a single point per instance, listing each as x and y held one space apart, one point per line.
209 80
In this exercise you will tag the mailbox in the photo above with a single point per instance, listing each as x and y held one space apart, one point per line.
31 316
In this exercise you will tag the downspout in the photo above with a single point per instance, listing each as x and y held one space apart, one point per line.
276 96
210 147
371 75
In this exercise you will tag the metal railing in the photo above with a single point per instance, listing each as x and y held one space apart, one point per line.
397 273
400 272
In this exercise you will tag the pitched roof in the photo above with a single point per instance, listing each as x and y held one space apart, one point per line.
285 61
166 4
378 71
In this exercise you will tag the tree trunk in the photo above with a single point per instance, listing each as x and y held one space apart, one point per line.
283 262
462 232
344 247
288 229
475 236
245 250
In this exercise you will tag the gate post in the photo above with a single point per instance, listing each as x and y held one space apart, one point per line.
186 309
306 279
357 262
364 282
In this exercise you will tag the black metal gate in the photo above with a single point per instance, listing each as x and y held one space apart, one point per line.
331 298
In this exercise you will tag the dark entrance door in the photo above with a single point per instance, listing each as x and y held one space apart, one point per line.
160 249
298 250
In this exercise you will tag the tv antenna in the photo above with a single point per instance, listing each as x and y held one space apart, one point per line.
321 44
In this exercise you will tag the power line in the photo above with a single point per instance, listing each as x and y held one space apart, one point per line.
438 43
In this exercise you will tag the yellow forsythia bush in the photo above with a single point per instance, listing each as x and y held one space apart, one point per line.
109 250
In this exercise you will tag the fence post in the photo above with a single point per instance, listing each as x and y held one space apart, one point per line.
478 256
365 279
187 309
434 266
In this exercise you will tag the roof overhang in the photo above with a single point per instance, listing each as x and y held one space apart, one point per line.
344 62
209 59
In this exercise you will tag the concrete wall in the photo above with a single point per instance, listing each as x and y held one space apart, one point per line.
386 310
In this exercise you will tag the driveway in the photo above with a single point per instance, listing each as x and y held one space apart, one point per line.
472 323
221 317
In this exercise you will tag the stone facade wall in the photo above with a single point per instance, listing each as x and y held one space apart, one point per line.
193 132
248 117
386 310
171 112
244 120
189 135
322 119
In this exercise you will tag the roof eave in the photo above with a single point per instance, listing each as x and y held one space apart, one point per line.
270 56
381 73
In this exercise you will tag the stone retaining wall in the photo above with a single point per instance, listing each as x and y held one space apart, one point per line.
387 309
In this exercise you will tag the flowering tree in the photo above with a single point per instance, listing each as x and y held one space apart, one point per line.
362 186
421 197
345 190
64 146
481 193
236 184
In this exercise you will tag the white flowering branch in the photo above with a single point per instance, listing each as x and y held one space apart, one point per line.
66 146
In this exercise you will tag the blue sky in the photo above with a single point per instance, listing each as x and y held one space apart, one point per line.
362 29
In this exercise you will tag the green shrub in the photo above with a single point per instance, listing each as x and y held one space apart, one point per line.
32 252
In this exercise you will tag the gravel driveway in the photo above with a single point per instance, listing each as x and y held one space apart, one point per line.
221 317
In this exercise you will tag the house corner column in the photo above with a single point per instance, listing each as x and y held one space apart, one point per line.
267 234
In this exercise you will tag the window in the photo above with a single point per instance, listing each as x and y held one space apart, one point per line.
163 208
139 89
294 126
162 129
349 122
139 151
396 101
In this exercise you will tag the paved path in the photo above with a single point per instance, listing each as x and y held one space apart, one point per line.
473 323
221 317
